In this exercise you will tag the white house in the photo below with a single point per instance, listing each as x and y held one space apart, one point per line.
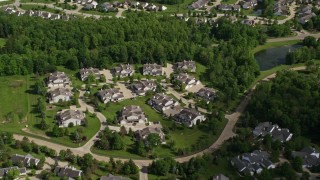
57 79
59 94
162 102
66 117
190 117
113 95
186 79
132 114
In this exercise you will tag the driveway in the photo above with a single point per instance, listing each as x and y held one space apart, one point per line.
195 88
108 75
126 92
168 70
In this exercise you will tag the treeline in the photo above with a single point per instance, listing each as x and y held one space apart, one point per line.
291 100
35 45
311 50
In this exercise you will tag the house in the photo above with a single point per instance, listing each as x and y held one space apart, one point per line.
107 7
69 172
198 4
236 8
220 177
225 7
59 94
134 4
144 133
26 161
248 22
190 117
132 114
4 171
123 70
185 66
55 16
113 95
65 17
112 177
280 11
309 156
143 5
57 79
274 131
8 9
186 79
88 7
66 117
152 69
305 18
162 8
162 102
29 13
19 13
37 14
85 72
151 7
207 94
46 15
143 86
250 163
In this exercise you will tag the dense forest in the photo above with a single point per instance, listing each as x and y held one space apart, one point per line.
292 100
35 45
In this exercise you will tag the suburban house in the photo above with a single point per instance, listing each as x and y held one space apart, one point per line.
112 177
207 94
66 117
143 86
59 94
248 22
190 117
309 155
123 70
275 132
186 79
305 14
107 7
46 15
248 4
57 79
220 177
162 102
69 172
185 66
26 161
113 95
132 114
198 4
250 163
144 133
4 171
85 72
152 69
280 8
227 7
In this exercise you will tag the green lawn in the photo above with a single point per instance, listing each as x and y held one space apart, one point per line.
274 44
2 42
94 12
73 75
2 3
39 7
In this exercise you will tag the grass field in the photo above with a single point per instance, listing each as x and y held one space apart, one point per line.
274 44
39 8
2 42
2 3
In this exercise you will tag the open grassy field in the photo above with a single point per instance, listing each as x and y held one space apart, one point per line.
274 44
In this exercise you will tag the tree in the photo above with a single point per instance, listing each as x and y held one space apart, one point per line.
297 163
43 125
116 142
12 174
153 140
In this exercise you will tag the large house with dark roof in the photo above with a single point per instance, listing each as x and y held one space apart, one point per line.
198 4
206 94
57 79
186 79
132 114
190 117
59 94
185 66
251 163
162 102
112 177
69 172
26 161
152 69
124 70
143 86
310 157
113 95
85 72
264 128
66 117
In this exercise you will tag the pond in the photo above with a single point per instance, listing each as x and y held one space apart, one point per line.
272 57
